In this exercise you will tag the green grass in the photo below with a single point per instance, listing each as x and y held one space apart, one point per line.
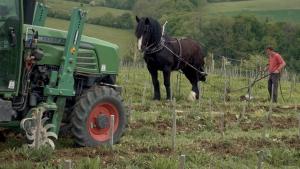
93 12
123 38
147 141
278 10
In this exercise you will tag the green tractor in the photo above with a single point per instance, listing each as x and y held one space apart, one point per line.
51 78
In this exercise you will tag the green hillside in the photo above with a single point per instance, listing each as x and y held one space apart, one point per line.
278 10
93 12
123 38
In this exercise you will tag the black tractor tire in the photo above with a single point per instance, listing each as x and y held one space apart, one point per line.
98 102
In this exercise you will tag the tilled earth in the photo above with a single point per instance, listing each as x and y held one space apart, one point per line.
189 125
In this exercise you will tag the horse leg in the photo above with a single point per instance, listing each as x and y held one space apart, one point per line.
167 74
155 83
192 76
195 89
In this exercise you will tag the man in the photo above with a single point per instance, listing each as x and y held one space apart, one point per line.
276 64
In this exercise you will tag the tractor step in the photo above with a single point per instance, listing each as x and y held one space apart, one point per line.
6 111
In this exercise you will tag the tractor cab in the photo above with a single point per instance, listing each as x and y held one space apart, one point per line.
11 22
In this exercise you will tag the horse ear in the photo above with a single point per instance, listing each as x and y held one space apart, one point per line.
147 21
137 19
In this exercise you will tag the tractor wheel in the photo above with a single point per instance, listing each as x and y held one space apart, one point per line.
91 116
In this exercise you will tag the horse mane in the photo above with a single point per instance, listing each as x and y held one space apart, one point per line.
155 29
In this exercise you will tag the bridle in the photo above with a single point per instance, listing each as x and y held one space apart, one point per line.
153 47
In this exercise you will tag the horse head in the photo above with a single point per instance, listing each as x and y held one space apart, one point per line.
148 32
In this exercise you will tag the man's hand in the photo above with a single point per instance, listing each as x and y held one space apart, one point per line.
276 71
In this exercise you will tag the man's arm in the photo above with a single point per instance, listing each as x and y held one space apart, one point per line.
281 64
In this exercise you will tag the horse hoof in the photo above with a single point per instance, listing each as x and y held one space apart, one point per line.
192 96
168 100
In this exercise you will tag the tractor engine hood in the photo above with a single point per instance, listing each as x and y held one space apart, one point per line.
95 56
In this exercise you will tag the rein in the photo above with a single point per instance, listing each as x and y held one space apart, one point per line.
184 61
180 52
253 83
153 49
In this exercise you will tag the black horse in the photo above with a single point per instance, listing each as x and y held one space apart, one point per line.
166 54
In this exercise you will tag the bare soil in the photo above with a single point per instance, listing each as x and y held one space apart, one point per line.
274 122
240 146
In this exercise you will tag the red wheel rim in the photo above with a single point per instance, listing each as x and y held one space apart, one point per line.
103 109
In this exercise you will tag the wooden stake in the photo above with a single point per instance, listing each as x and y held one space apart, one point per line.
292 87
222 124
249 92
144 93
182 162
299 123
178 84
260 160
225 92
130 110
213 63
174 125
68 164
271 104
242 114
210 105
111 130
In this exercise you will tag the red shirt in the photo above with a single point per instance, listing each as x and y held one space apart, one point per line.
275 61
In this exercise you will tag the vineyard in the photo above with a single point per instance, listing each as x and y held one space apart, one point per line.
232 125
211 133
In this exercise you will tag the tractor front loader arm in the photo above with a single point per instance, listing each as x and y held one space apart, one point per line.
60 87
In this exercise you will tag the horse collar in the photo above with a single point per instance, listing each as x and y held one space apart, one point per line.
153 48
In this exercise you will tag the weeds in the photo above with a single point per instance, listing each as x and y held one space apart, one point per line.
88 163
164 163
37 155
147 143
283 157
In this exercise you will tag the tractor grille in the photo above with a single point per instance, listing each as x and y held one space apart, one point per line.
87 61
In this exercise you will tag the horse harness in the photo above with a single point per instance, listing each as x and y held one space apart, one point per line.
162 44
155 48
